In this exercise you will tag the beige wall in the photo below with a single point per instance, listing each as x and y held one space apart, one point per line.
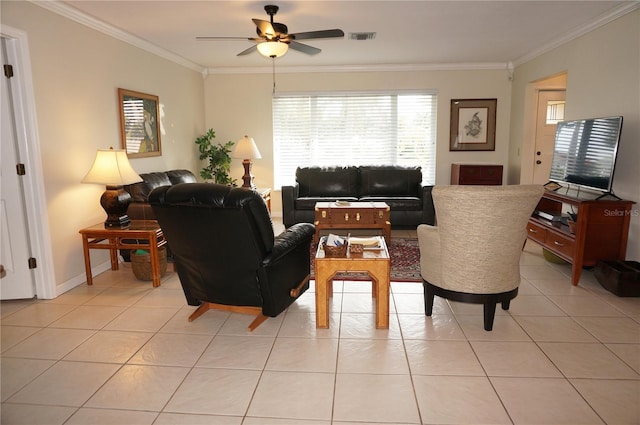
239 104
76 74
77 70
603 69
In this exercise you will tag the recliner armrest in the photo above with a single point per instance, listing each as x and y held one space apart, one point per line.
289 196
289 240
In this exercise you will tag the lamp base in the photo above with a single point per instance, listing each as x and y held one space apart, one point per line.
248 177
115 201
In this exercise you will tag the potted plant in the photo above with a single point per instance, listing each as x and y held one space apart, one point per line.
219 160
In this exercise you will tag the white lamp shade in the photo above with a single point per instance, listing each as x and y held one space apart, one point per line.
111 168
246 149
272 49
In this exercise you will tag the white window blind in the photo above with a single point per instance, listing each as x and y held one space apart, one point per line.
353 129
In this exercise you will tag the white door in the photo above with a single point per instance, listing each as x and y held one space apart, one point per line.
17 278
548 101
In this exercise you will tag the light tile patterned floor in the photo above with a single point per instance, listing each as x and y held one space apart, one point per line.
122 352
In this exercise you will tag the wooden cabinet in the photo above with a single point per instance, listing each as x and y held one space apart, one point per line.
476 174
601 231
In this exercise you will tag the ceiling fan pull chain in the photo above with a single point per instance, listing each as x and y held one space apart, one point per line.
273 64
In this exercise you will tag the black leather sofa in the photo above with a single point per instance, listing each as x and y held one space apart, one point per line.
225 250
140 209
400 187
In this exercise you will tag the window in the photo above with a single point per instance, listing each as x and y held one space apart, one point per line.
555 111
353 129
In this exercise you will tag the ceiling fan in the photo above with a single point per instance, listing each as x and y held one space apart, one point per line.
274 40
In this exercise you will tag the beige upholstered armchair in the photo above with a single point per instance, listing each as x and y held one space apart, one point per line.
473 254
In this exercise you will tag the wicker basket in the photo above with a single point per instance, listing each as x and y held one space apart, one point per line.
356 249
335 251
141 264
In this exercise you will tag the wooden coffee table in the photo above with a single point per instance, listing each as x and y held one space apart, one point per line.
144 234
376 263
352 215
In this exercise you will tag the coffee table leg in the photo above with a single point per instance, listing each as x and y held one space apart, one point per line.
381 284
323 288
387 232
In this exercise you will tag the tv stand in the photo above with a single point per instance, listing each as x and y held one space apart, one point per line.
601 231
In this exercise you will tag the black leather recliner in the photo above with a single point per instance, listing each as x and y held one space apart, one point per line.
225 251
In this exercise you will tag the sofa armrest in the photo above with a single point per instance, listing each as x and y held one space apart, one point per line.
289 196
428 210
140 211
289 240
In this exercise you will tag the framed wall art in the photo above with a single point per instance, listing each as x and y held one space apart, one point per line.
473 125
139 123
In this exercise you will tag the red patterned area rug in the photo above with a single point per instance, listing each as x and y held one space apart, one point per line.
405 262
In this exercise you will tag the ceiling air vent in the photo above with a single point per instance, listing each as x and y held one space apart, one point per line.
362 36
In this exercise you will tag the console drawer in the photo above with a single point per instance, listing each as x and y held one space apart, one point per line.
536 232
560 243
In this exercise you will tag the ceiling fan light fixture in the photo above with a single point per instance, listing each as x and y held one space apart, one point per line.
272 49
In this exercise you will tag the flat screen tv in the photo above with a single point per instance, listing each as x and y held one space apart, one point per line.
585 152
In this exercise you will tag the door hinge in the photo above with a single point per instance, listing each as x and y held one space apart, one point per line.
8 71
20 170
32 263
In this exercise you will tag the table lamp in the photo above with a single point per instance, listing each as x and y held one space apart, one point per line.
111 168
247 150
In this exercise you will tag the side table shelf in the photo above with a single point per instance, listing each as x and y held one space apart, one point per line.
601 231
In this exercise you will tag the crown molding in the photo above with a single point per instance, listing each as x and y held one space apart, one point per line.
603 19
84 19
361 68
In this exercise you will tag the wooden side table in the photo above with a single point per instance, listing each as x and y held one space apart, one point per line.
146 233
266 195
375 262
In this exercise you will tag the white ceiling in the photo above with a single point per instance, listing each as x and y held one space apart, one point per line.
408 33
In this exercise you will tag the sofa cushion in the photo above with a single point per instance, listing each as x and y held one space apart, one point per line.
390 181
140 191
332 182
309 203
407 203
181 176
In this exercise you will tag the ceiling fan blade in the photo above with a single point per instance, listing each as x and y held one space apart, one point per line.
249 50
222 38
317 34
265 28
304 48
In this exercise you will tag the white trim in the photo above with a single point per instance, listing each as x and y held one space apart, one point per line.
29 150
578 32
91 22
81 279
361 68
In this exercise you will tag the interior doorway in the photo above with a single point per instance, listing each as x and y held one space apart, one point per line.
550 111
16 281
22 146
543 100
